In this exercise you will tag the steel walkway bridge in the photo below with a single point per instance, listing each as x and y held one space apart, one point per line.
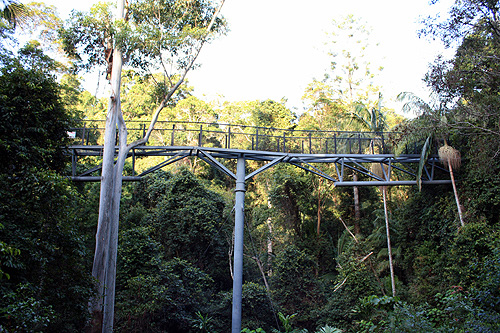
333 155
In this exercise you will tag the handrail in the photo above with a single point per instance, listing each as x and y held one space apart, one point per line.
240 136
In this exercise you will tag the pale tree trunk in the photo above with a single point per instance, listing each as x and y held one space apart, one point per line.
104 266
357 210
269 242
319 207
389 247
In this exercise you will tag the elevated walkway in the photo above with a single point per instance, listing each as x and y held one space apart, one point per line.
333 155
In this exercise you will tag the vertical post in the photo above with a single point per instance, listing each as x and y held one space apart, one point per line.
310 143
383 143
335 142
200 136
284 142
228 142
256 138
172 139
239 220
83 134
359 142
326 146
73 162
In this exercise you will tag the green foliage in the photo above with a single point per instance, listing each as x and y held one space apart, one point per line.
258 330
203 322
43 251
286 321
165 301
189 223
88 36
39 216
7 257
33 120
23 311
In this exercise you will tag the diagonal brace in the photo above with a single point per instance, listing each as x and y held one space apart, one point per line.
265 167
313 170
175 158
212 161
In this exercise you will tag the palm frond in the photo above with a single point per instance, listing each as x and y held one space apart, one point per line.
424 155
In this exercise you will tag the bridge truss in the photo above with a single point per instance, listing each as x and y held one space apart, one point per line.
398 170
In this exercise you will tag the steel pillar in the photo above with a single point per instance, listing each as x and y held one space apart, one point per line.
239 220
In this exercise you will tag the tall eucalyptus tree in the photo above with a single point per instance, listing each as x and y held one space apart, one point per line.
147 35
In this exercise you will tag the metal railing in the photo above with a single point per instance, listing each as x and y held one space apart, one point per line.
245 137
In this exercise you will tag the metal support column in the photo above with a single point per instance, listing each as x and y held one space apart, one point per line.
239 219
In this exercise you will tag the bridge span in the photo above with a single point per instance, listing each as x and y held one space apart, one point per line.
333 155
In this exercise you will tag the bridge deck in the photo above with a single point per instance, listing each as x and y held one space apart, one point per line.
400 170
334 155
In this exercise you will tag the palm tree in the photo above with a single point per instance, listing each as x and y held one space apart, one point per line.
13 11
450 157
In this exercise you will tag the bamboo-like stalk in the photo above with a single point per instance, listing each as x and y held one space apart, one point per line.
389 247
380 171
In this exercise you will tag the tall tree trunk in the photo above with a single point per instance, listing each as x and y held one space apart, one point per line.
357 210
269 242
389 247
319 207
104 266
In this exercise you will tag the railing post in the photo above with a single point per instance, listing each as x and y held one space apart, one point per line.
143 130
310 143
73 162
284 141
256 138
83 134
335 142
359 142
200 136
228 138
326 145
172 138
383 143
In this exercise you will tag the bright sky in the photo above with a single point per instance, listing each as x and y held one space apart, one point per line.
276 47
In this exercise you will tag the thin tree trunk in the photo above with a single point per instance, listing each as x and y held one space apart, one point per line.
269 242
456 195
357 210
319 207
389 248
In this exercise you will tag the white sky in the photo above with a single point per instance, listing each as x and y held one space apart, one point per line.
276 47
